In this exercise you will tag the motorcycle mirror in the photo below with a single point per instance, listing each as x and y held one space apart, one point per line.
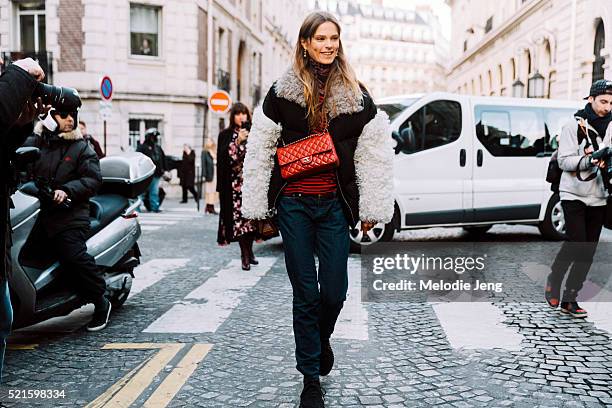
26 155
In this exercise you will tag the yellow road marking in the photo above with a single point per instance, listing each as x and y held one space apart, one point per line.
178 377
21 346
129 388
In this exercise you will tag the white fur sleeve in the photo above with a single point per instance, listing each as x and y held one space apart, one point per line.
258 165
374 168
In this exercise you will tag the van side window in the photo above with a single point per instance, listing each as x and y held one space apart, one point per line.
510 131
435 124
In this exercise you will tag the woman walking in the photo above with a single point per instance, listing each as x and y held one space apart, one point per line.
230 159
209 161
187 173
319 94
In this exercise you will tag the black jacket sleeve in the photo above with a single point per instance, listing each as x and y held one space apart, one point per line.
87 186
270 106
16 87
164 161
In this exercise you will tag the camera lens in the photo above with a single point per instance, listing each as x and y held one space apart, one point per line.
61 98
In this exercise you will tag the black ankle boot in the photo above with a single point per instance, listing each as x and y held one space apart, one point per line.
327 358
244 255
252 259
312 395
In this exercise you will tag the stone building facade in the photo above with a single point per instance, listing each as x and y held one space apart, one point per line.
499 46
157 55
394 51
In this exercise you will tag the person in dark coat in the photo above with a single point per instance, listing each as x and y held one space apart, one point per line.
69 167
17 112
187 173
91 140
209 162
153 150
319 93
231 151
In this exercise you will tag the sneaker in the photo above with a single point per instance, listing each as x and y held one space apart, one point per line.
551 295
312 396
327 358
573 309
100 318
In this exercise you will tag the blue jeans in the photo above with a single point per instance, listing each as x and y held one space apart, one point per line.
153 192
309 226
6 319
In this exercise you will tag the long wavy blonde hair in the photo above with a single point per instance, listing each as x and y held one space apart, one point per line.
340 68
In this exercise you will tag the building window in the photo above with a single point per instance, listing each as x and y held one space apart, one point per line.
144 30
600 43
32 26
138 127
489 24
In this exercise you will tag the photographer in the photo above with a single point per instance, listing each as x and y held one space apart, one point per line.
231 151
17 112
69 170
583 192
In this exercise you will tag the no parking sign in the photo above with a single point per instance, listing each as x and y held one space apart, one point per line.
106 88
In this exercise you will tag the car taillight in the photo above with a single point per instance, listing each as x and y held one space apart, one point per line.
130 215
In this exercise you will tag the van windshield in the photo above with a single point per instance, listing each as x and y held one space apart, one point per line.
395 108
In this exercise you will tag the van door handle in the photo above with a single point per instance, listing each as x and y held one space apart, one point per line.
462 157
479 156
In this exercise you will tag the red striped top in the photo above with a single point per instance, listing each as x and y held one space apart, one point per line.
322 183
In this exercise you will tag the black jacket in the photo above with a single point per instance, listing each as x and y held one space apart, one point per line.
361 137
67 162
187 170
208 166
16 87
156 154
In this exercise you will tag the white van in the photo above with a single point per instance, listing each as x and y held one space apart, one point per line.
472 162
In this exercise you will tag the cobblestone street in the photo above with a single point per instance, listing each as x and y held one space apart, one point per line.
197 331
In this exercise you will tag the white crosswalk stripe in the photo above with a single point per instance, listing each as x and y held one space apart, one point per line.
467 325
156 221
476 325
209 305
151 272
353 320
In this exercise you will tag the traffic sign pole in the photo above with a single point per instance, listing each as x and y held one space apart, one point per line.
106 92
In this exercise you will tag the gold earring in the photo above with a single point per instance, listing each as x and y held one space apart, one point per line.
305 54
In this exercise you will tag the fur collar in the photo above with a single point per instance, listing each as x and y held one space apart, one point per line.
73 135
341 100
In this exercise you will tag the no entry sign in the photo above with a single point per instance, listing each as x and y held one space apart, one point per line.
106 88
220 102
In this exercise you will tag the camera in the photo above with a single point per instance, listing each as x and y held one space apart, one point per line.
46 193
63 99
246 125
604 154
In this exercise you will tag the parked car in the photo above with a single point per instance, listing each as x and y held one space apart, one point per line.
472 162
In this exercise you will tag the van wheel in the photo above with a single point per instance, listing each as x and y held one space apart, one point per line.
380 233
553 226
477 231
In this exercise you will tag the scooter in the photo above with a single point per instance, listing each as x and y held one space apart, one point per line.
39 289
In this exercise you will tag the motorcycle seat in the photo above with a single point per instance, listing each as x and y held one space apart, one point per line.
104 209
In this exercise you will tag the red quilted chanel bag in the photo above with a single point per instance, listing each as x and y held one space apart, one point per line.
307 156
